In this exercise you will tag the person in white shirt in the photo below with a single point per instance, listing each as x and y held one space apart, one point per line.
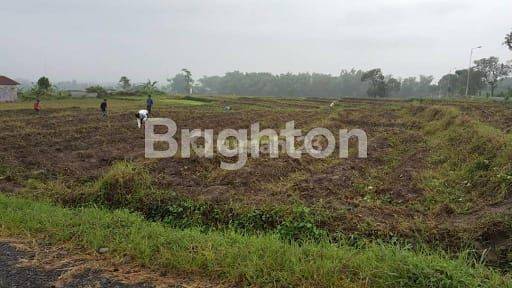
142 116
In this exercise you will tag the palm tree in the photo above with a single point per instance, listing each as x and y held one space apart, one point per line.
188 79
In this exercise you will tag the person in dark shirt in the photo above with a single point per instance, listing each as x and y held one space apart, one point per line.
149 104
103 107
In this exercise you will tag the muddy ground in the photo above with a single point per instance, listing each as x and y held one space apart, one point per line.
379 196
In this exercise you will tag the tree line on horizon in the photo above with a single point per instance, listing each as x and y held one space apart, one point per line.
485 78
488 77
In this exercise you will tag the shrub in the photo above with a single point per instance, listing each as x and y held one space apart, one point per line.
123 186
301 226
98 90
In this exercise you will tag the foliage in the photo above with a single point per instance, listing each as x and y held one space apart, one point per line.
43 84
377 84
420 87
493 71
188 81
508 40
485 158
392 86
149 88
125 84
455 84
346 84
34 93
260 261
123 185
177 84
97 89
301 226
448 84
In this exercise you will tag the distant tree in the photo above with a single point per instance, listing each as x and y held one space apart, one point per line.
125 83
97 89
493 71
476 84
392 86
188 80
43 84
377 85
178 84
508 40
149 88
448 84
347 84
425 86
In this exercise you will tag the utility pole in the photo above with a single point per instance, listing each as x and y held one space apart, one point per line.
469 68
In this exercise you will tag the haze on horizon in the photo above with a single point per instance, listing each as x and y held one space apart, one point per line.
103 40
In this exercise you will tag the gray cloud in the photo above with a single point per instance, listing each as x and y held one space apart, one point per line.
102 40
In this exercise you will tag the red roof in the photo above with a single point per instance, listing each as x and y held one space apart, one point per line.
7 81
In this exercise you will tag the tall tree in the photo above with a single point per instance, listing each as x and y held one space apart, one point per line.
493 71
125 83
448 84
188 80
508 40
178 84
149 88
43 84
377 84
392 86
476 84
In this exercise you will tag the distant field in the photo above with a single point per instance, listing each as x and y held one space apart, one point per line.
438 174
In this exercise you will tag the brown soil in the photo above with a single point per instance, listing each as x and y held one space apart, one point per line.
77 145
375 196
29 264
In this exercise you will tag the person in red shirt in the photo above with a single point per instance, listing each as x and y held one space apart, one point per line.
37 105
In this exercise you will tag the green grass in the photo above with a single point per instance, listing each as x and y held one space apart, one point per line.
245 260
116 103
186 102
480 175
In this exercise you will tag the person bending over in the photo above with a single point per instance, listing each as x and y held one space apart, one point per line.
142 116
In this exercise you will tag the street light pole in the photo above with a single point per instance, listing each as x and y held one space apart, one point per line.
469 68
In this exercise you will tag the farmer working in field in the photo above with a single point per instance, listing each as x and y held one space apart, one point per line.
142 116
149 104
103 107
37 105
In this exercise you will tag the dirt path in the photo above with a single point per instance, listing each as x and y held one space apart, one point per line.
25 265
18 270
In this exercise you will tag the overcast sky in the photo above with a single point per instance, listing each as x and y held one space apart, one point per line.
98 40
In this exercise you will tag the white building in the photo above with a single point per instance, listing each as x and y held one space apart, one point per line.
8 89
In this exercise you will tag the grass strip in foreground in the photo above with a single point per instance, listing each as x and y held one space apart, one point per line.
248 260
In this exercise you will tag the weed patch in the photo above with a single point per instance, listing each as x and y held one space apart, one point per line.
261 260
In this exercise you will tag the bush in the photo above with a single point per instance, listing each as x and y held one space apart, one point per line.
98 90
123 186
301 226
33 93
